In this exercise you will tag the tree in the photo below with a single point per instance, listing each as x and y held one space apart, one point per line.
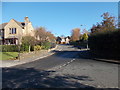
75 34
85 31
107 24
50 37
42 36
85 36
28 41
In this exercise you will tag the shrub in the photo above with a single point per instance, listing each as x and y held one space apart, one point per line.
37 47
10 48
24 47
82 44
46 45
32 48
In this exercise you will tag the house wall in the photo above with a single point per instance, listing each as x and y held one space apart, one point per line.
20 31
13 24
29 30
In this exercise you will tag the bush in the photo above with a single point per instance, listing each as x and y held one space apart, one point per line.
10 48
24 47
46 45
32 48
105 43
79 44
37 47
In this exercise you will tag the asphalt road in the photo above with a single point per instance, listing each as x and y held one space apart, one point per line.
64 69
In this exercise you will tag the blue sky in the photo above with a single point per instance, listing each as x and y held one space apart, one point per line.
59 17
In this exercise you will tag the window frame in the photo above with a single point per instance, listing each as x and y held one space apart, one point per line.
12 30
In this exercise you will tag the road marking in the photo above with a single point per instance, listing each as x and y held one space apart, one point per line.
64 64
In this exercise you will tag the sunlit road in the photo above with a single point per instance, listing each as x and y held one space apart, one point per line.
63 69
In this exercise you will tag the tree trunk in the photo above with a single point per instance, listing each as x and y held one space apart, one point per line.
29 48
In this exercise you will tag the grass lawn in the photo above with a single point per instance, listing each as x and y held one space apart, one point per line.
8 55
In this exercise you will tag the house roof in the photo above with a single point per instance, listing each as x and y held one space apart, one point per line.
21 24
3 25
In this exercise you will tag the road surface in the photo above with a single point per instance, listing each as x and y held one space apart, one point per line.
64 69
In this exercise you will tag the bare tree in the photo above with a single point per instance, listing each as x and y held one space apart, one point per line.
43 35
75 34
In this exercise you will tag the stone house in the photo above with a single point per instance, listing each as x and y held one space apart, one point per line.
13 31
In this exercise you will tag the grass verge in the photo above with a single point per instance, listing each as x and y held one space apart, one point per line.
8 55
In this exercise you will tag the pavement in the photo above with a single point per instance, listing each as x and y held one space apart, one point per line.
86 54
64 69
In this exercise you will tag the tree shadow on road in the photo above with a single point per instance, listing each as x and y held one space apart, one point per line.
83 54
33 78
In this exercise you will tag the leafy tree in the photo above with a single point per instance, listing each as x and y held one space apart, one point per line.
85 36
28 41
107 24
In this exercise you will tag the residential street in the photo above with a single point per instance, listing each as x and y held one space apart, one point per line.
64 69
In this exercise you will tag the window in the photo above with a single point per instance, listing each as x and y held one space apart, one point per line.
12 30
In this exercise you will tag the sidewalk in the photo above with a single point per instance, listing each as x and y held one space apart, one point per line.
28 57
86 54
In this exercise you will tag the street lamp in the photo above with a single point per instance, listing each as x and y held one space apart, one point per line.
83 33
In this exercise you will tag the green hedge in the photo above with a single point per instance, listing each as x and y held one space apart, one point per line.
46 45
105 43
15 48
24 47
10 48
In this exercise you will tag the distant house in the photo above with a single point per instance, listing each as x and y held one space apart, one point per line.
58 40
67 40
63 40
13 31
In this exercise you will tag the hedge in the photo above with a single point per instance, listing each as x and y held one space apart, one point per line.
24 47
10 48
15 48
46 45
105 43
81 44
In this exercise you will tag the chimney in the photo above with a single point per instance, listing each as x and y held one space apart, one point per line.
26 20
